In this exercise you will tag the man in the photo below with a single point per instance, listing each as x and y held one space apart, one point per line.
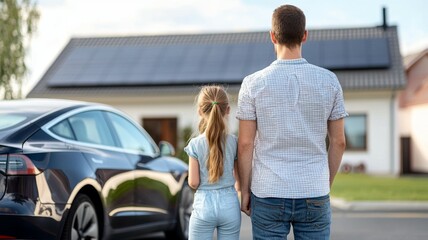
285 112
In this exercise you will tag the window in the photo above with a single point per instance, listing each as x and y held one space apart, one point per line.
130 136
63 129
356 132
9 120
91 127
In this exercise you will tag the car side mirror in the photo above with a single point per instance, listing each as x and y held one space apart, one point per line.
166 148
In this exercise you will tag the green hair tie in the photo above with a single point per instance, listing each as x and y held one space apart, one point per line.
214 103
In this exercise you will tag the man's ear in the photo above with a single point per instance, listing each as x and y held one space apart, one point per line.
228 110
305 36
272 37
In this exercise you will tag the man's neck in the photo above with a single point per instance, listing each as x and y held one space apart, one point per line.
282 52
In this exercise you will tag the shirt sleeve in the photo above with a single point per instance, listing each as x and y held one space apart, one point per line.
190 149
246 107
338 110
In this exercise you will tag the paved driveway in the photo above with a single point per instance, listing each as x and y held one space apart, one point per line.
361 225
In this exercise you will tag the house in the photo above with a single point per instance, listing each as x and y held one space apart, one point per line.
155 80
413 102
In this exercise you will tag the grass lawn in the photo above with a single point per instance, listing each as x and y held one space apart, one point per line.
360 187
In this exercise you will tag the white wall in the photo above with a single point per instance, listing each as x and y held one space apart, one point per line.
381 155
419 137
404 118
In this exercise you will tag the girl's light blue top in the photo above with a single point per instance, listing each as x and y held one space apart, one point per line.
198 149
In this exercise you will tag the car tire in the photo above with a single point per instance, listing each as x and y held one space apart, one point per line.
185 207
82 220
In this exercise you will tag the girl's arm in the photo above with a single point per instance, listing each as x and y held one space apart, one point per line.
193 179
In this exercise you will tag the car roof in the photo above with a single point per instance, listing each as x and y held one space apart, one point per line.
40 105
35 110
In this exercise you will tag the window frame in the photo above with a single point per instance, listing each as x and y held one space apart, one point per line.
358 149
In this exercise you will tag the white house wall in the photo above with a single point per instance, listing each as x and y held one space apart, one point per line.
419 137
381 155
405 124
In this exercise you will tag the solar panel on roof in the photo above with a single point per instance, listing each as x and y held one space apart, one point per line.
348 53
185 63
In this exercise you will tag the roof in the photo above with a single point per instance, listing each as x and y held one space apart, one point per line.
362 58
411 59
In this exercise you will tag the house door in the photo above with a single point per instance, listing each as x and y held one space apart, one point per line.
162 129
406 167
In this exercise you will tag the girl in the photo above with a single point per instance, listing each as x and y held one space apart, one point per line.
212 159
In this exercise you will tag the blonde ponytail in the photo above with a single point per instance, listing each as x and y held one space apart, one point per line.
213 106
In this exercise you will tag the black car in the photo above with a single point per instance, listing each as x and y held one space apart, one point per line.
78 170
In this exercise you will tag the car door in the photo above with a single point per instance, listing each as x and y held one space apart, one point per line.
152 175
112 168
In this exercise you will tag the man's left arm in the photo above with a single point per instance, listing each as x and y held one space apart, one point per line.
247 133
337 144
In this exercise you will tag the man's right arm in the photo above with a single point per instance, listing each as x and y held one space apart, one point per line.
337 144
247 133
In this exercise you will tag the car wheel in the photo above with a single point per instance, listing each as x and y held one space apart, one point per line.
185 207
82 221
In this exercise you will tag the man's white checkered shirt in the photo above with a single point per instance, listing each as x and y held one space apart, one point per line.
291 101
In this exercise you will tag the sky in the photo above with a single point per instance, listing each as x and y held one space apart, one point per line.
63 19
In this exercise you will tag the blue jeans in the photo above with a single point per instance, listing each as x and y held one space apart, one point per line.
271 218
215 209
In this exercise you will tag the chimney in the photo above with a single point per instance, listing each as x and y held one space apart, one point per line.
384 24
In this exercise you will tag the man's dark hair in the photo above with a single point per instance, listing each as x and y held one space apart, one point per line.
288 25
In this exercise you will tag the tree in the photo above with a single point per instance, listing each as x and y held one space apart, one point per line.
18 19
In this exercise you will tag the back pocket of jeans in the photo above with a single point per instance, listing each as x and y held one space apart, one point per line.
318 212
265 214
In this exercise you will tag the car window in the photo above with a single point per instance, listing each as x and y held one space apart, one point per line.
130 136
8 120
63 129
91 127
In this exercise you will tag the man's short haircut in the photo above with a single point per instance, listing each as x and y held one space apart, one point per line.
288 25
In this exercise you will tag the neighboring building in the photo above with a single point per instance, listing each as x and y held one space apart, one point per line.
414 114
155 80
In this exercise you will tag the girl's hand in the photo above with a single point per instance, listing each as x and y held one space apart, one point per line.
245 203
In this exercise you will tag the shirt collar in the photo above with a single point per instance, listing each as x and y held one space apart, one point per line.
296 61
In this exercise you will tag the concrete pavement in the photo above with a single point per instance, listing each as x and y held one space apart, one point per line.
378 205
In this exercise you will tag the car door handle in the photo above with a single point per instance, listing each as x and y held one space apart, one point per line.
99 161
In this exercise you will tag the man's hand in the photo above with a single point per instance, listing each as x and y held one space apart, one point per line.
246 203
